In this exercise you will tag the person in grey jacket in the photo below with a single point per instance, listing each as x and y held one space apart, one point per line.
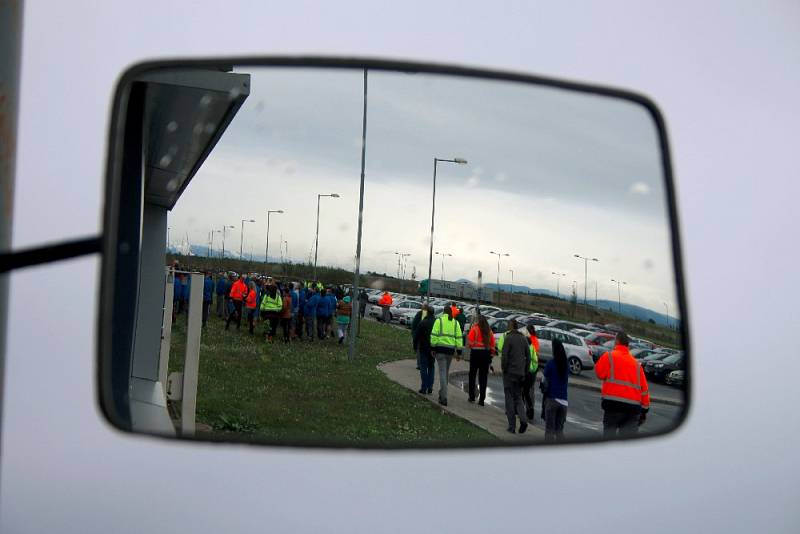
515 360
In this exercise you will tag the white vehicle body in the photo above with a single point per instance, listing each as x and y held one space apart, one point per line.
575 346
724 77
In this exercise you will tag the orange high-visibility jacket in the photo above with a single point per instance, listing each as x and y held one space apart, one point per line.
475 339
238 290
250 300
386 300
535 342
623 377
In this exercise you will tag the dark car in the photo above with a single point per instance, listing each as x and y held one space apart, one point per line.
535 321
598 338
659 369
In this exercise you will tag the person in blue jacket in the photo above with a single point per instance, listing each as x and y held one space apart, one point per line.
331 298
323 314
208 293
310 312
220 294
295 294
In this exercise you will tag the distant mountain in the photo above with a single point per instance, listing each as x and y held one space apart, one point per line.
631 310
202 251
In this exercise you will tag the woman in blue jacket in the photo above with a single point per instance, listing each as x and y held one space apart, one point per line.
555 387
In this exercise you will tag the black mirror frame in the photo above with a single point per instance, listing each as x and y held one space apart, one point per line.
118 263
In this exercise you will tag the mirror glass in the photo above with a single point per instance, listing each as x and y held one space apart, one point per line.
315 249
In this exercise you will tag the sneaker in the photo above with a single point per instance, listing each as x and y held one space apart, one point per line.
480 403
511 430
443 402
421 390
470 399
523 427
429 391
341 340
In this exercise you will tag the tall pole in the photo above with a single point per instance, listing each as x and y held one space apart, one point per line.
224 229
168 228
667 309
512 280
316 238
436 161
498 254
619 283
354 298
585 280
266 249
241 238
558 279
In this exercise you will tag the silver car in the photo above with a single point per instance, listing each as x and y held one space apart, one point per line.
578 355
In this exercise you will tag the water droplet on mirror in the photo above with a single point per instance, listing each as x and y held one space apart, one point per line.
172 185
209 128
234 93
198 129
205 101
165 160
173 150
172 126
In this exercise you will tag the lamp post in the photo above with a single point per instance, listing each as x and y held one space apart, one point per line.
442 254
585 278
619 283
211 250
558 279
512 280
459 161
316 238
667 309
498 254
241 237
224 229
168 229
266 249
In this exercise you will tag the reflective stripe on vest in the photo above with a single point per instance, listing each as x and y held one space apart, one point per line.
636 386
445 339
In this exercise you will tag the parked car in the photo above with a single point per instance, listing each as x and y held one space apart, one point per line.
501 314
534 320
598 338
659 369
406 318
564 325
581 332
578 356
675 378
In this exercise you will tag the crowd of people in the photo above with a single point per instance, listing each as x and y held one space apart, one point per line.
625 397
303 310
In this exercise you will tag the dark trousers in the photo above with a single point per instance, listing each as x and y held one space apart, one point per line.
512 387
362 308
251 318
273 325
285 322
479 360
206 307
227 307
426 364
555 417
620 422
309 322
236 314
322 325
528 395
220 299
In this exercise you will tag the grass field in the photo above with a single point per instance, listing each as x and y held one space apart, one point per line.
306 393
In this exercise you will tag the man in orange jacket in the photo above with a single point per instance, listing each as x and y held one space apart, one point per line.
238 294
386 303
626 397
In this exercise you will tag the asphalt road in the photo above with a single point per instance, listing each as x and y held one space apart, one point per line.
584 414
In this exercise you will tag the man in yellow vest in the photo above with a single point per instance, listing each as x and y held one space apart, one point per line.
446 340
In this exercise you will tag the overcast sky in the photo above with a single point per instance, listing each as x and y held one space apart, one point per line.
551 173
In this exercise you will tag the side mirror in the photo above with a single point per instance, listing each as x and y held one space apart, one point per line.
249 203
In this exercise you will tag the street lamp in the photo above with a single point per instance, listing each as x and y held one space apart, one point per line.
458 161
266 250
619 283
558 279
316 239
211 243
585 277
498 254
442 254
224 229
286 244
667 309
241 238
512 280
168 228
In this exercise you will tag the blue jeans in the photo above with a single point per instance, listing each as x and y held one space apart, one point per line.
426 369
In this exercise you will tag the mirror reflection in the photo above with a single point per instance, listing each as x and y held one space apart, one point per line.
377 258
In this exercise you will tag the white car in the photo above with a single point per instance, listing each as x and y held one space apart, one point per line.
578 355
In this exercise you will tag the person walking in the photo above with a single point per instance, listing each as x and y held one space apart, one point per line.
286 314
271 307
481 346
528 395
228 301
385 303
363 300
323 314
220 291
238 290
310 311
422 345
554 383
250 302
624 392
208 294
446 340
332 304
515 361
343 311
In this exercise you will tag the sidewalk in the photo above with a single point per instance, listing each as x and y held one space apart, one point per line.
489 418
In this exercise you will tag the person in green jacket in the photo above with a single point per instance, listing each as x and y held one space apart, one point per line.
271 306
446 340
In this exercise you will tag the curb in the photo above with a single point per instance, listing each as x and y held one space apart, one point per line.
586 385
